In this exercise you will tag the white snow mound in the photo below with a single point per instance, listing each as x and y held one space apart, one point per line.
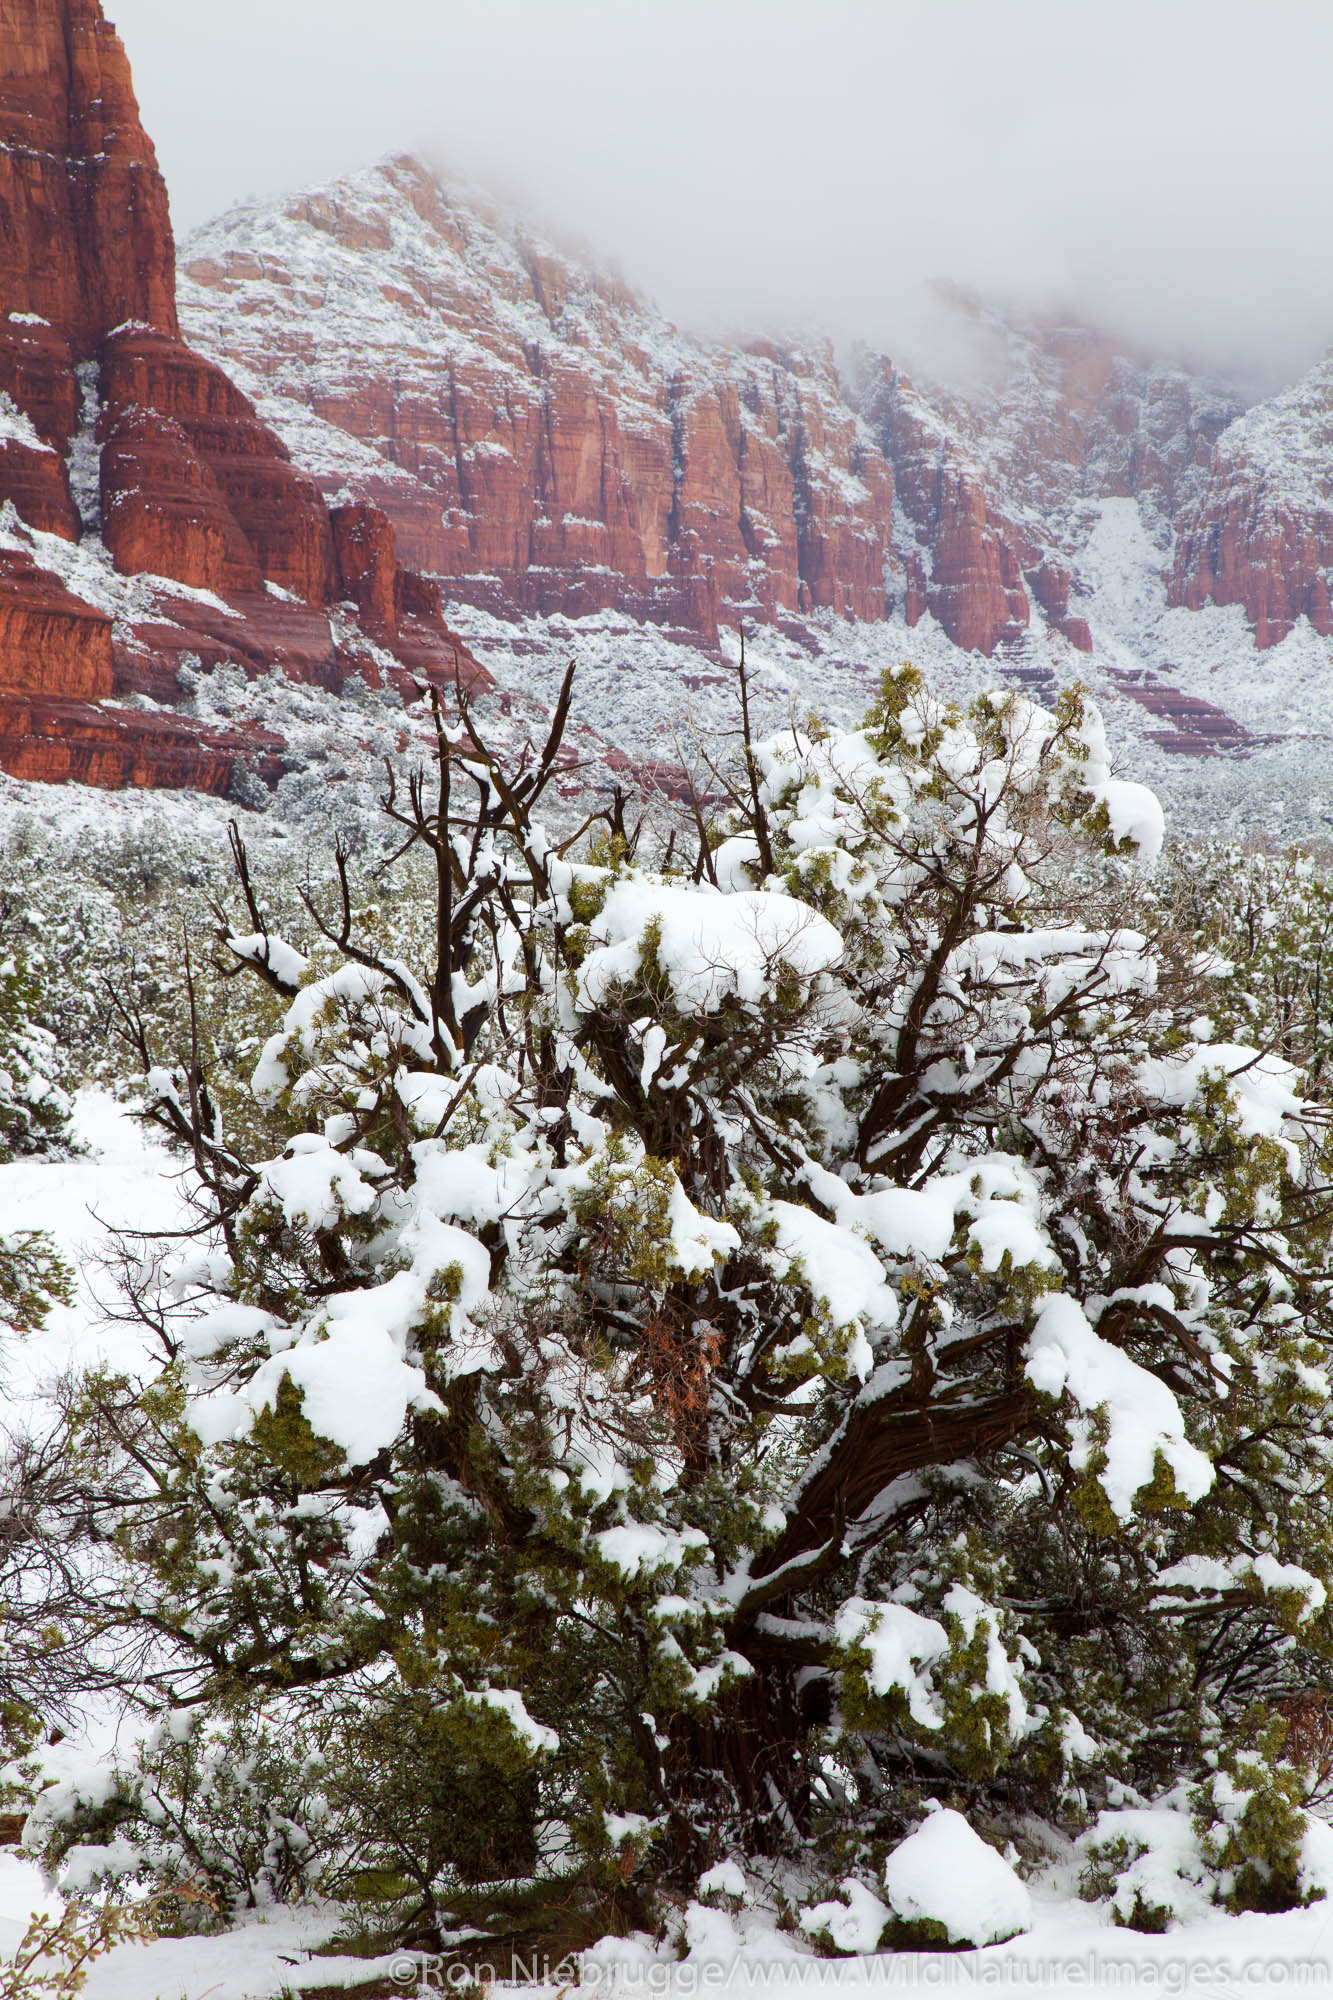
945 1873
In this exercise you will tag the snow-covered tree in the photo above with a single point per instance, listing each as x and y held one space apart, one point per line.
34 1102
35 1110
734 1350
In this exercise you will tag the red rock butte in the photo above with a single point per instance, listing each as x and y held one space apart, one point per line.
187 484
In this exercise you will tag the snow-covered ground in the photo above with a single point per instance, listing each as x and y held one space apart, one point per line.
1071 1949
643 693
121 1181
655 697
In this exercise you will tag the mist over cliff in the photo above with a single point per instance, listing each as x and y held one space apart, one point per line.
1163 171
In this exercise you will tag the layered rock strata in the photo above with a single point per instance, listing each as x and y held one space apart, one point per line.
541 439
545 442
113 430
1259 533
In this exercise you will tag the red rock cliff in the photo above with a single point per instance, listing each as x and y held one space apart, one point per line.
87 240
1259 533
177 478
541 439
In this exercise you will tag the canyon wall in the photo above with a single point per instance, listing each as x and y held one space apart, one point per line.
118 439
539 436
364 401
1259 532
544 441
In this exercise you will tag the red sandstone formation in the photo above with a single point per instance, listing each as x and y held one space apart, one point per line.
367 563
992 480
88 242
50 641
526 430
540 438
176 470
63 741
33 477
1235 550
1049 584
1260 532
263 519
543 441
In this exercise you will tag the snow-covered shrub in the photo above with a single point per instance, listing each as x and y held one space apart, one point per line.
945 1885
789 1333
1147 1862
33 1278
35 1105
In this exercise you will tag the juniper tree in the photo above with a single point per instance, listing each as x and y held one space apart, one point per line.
732 1348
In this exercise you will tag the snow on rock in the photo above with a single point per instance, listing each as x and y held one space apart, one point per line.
945 1874
16 427
1066 1354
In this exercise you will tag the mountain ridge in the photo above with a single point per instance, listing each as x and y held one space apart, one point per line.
363 401
147 516
753 478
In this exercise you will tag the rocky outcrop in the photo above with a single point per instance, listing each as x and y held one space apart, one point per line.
274 524
62 742
1238 548
541 439
994 481
545 442
1049 583
1260 531
50 640
365 551
194 487
116 433
87 238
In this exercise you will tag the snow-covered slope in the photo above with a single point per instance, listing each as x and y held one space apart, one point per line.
538 434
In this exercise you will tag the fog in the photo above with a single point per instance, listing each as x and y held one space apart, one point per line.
1161 168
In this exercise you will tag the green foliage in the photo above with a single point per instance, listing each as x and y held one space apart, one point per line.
1249 1815
33 1278
34 1105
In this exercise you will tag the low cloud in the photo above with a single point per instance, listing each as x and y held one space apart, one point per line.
1162 169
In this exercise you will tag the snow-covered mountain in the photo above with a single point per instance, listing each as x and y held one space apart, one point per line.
547 441
394 366
577 470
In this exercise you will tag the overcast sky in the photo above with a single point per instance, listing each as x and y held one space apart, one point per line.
1164 167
